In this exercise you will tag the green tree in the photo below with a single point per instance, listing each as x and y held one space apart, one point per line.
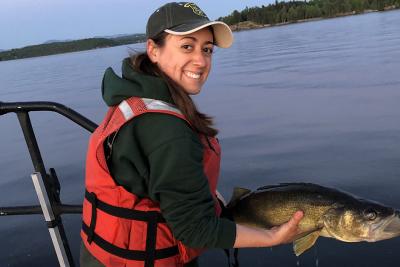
312 12
283 17
380 5
301 12
292 14
236 17
356 5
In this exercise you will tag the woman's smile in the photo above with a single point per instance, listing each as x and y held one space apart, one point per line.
192 75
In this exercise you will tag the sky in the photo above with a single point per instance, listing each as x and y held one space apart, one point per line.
28 22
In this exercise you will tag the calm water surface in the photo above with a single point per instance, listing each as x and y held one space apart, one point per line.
314 102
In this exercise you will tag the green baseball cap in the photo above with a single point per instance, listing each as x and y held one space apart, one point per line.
181 18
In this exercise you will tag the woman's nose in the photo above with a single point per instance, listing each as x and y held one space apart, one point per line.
200 59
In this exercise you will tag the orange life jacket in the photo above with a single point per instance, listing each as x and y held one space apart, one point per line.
120 229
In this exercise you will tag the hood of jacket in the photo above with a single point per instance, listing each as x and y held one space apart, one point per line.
116 89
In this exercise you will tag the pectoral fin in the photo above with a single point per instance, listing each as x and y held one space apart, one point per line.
238 192
302 244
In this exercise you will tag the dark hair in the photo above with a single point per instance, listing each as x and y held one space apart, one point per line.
199 121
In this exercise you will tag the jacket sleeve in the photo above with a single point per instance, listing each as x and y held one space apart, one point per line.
177 181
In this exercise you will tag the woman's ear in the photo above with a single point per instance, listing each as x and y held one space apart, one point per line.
152 50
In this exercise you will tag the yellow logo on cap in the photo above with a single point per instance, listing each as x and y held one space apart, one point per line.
196 10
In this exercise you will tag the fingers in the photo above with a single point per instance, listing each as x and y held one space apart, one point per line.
296 218
286 232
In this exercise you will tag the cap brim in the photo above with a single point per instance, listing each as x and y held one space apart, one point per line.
222 33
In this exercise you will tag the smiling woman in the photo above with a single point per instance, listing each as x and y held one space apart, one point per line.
184 63
185 59
153 163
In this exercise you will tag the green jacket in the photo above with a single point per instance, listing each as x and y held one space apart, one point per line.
159 156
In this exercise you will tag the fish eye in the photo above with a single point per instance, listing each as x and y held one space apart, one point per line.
370 214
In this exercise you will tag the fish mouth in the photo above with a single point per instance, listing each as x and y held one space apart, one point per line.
393 225
388 228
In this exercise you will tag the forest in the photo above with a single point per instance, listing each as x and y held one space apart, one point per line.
286 12
69 46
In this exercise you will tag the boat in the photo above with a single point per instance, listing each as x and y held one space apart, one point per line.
46 183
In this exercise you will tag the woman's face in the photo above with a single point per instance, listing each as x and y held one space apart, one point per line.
186 59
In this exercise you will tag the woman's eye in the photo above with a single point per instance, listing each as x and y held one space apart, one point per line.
187 47
208 50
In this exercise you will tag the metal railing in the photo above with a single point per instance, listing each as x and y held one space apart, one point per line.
46 185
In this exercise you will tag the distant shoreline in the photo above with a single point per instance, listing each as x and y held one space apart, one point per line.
56 48
249 25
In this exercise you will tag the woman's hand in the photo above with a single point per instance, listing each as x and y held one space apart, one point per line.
286 232
256 237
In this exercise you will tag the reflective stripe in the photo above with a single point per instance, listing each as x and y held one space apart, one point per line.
153 104
126 110
220 197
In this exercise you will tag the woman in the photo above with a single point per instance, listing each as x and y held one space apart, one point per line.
153 163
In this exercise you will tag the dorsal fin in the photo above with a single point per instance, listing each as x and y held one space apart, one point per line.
238 192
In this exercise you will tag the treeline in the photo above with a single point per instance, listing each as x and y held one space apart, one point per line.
69 46
284 12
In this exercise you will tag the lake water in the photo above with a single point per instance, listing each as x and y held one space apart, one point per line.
312 102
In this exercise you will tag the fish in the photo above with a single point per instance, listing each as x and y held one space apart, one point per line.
328 212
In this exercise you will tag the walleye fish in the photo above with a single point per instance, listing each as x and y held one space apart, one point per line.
327 212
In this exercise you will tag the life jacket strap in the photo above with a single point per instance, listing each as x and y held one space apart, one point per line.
124 213
137 255
92 198
151 239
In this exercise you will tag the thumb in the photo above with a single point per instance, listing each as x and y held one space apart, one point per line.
296 218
